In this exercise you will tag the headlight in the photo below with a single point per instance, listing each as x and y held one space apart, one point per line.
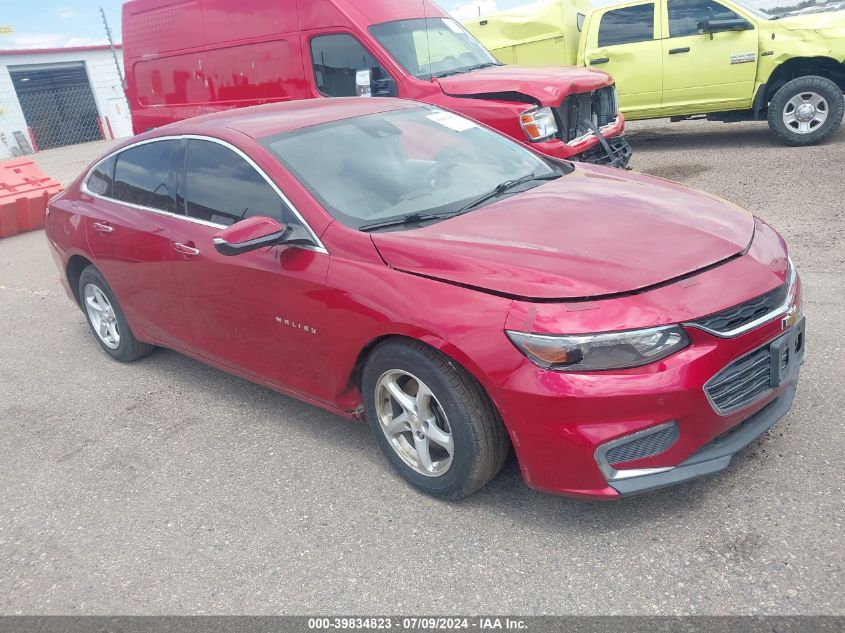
591 352
539 124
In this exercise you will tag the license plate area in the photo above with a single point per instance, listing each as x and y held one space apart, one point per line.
787 352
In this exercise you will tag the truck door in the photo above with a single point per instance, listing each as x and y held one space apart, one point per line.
625 42
707 71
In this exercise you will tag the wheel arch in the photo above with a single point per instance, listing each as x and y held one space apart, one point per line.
449 350
75 265
803 67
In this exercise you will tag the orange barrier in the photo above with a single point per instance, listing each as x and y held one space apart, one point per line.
24 192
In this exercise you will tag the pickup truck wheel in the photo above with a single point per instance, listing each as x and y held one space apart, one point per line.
806 111
432 419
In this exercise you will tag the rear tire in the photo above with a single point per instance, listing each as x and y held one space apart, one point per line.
806 111
106 320
451 441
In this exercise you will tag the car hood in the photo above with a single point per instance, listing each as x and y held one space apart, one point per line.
547 85
592 233
832 20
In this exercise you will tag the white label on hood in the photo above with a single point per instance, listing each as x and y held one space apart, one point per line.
452 121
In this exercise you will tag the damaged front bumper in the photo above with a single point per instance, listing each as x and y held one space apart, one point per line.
613 152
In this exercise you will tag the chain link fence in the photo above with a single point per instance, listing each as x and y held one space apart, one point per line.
61 117
62 110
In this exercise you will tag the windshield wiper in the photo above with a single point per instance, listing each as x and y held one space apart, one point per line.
504 187
461 71
411 218
483 65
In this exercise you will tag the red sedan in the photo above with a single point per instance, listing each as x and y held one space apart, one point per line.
392 261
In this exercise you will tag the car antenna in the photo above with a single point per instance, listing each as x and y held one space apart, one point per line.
427 43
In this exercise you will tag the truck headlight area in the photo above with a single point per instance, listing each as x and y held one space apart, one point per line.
539 124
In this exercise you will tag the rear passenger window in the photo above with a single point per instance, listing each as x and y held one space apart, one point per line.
223 188
102 178
337 59
142 175
628 25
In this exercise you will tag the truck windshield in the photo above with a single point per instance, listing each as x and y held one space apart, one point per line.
755 6
432 47
413 164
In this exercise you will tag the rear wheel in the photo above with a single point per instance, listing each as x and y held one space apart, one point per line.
106 320
433 421
806 111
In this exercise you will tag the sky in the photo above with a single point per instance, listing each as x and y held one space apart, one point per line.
55 23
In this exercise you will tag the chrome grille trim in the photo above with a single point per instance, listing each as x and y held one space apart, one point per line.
781 308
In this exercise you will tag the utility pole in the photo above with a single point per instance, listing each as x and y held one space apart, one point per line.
113 51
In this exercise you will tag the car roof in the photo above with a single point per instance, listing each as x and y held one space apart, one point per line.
276 118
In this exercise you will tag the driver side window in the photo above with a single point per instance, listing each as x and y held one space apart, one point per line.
337 58
685 15
221 187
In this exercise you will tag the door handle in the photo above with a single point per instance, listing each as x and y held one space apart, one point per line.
186 249
102 227
599 60
675 51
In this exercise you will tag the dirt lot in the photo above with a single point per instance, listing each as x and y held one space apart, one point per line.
168 487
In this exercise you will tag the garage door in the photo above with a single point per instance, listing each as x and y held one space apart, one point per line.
57 103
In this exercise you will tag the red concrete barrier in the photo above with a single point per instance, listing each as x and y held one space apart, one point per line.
24 192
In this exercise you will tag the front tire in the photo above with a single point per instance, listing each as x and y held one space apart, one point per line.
806 110
106 320
432 419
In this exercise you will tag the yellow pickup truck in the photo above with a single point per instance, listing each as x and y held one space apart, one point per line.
723 60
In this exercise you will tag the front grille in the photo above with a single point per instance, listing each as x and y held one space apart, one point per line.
598 107
742 382
745 313
643 446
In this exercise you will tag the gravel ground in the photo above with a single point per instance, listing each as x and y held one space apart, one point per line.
166 486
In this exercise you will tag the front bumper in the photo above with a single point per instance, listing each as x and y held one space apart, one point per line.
563 424
718 454
611 152
591 148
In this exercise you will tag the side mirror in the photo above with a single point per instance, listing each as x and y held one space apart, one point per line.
375 82
719 26
364 83
249 235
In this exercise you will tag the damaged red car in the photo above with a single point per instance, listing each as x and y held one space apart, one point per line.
393 261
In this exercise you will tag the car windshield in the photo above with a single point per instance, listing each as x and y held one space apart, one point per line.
432 47
408 163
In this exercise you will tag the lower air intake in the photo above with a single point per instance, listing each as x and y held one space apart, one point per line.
644 445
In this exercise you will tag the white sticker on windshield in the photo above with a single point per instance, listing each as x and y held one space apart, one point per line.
452 121
454 26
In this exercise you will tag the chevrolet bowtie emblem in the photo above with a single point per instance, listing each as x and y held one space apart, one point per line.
790 318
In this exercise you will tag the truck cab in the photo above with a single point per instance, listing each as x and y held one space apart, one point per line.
186 58
719 59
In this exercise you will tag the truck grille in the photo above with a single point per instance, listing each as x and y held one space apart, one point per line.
598 107
742 382
744 313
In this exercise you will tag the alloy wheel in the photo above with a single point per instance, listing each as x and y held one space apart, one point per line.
414 423
102 316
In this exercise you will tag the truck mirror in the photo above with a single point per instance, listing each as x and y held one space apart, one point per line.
364 83
719 26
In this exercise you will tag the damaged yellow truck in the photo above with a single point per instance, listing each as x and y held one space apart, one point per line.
721 60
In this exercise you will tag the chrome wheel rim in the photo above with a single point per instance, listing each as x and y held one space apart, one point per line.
805 112
414 423
102 316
